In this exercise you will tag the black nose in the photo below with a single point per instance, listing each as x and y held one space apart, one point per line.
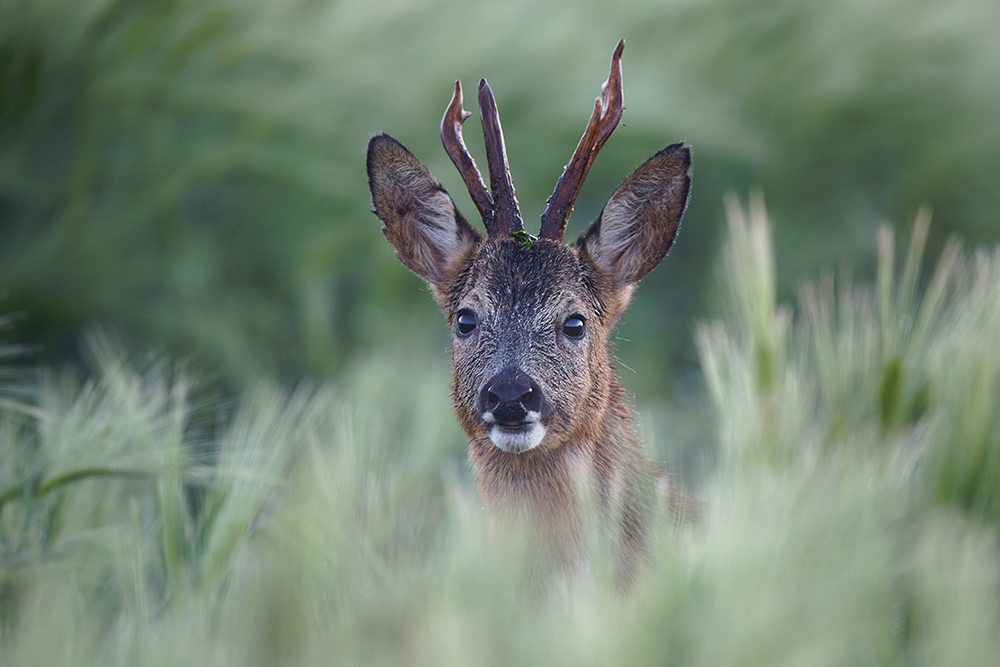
510 396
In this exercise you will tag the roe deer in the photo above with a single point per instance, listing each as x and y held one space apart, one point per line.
533 381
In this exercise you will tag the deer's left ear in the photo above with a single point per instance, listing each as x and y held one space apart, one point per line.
640 221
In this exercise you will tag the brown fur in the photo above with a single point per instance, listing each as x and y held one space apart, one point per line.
521 298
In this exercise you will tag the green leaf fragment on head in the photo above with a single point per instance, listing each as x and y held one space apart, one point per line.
526 239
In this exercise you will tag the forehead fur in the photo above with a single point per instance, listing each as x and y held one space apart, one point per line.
545 273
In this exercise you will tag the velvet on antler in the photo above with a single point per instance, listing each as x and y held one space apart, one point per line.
607 113
498 206
454 145
508 214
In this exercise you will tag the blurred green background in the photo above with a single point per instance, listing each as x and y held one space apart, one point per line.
184 215
188 175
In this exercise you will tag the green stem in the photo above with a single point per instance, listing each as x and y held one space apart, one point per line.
43 488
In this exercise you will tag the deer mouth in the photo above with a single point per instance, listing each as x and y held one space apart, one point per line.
518 438
516 427
515 436
513 407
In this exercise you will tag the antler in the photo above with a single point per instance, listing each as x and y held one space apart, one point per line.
454 145
507 213
604 120
500 211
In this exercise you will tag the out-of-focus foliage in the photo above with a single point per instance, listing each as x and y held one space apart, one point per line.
189 174
853 516
882 370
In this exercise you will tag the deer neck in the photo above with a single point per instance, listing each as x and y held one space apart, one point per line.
558 486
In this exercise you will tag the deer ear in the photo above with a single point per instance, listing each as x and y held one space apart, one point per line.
640 221
420 219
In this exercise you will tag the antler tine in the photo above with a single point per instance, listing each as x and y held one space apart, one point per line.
508 214
604 120
454 145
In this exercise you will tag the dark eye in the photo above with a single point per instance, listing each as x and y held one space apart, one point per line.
573 326
466 322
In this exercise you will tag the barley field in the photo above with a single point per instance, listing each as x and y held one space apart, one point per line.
853 509
225 432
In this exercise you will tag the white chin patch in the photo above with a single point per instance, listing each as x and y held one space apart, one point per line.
519 441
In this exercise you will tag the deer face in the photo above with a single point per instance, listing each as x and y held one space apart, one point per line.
529 329
529 325
529 320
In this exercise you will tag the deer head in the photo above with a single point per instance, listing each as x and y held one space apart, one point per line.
530 317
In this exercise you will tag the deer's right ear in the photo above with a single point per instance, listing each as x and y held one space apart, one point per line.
420 219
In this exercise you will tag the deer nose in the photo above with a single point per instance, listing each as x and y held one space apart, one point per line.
510 397
508 392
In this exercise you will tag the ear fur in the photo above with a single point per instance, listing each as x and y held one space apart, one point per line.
420 218
640 221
